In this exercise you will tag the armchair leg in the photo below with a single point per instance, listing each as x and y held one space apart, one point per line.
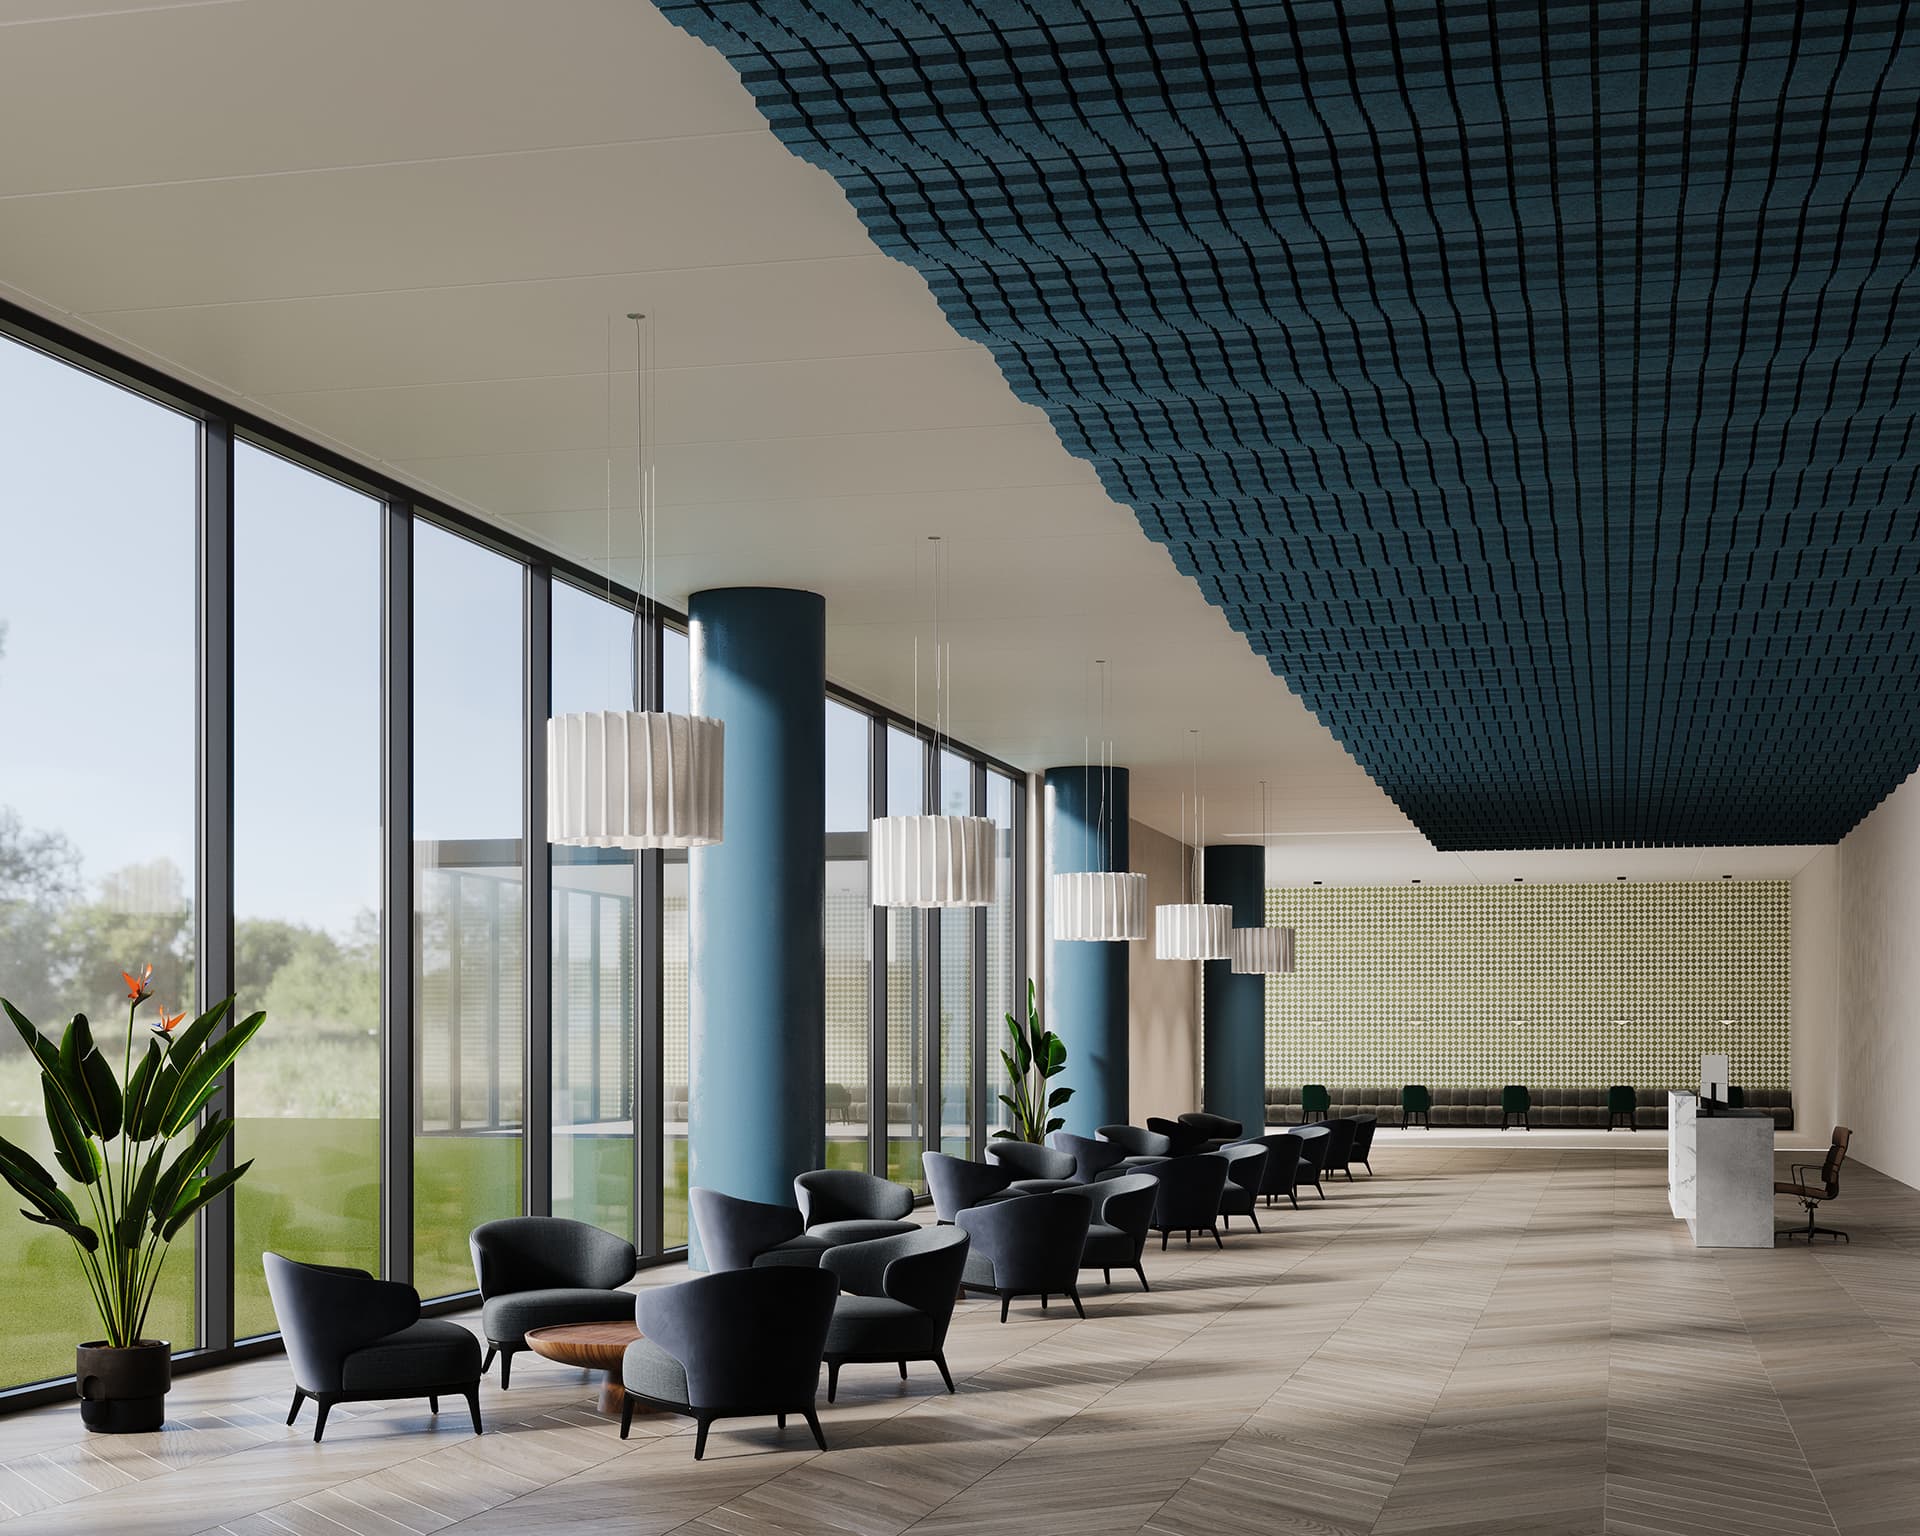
780 1420
903 1370
1294 1196
700 1437
626 1416
1216 1238
1074 1297
813 1423
506 1365
487 1364
1005 1302
833 1377
1255 1219
320 1424
1165 1232
299 1397
473 1405
1106 1277
945 1375
433 1402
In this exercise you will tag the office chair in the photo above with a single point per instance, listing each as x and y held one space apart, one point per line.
1811 1195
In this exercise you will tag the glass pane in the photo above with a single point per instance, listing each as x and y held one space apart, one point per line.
1005 991
673 1048
675 661
306 865
595 900
469 927
956 982
906 983
97 661
848 922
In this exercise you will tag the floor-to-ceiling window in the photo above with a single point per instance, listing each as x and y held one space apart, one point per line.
675 660
469 924
957 926
1005 991
595 945
848 926
97 666
306 862
906 1085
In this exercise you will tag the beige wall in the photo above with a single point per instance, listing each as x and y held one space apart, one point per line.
1163 1036
1815 998
1878 950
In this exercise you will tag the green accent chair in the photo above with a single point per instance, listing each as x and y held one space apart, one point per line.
1416 1102
1315 1102
1622 1101
1515 1104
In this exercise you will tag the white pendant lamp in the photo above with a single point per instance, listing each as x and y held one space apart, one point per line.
1099 906
1262 951
933 861
1195 929
636 778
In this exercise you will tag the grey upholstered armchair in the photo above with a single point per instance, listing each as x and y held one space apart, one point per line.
1316 1141
1187 1197
543 1271
747 1234
896 1299
1285 1166
1027 1247
1246 1166
351 1338
844 1205
1219 1130
1120 1209
735 1345
955 1184
1138 1145
1036 1170
1092 1159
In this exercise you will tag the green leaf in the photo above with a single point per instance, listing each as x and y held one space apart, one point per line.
99 1097
198 1081
1022 1052
44 1050
25 1172
185 1045
189 1164
1056 1057
74 1045
139 1086
197 1194
73 1149
79 1231
1054 1124
139 1200
1058 1097
154 1101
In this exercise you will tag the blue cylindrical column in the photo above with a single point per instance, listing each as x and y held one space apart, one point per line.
1087 993
1233 1018
756 974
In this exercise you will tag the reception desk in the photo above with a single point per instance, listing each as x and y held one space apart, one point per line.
1720 1173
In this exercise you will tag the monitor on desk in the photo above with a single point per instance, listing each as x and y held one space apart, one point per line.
1715 1071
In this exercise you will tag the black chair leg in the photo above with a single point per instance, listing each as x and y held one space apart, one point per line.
473 1405
1143 1278
1254 1218
945 1375
433 1403
1005 1302
1074 1297
903 1370
833 1373
487 1364
320 1424
1106 1277
1294 1196
299 1397
506 1365
626 1417
1216 1238
700 1437
813 1423
1165 1233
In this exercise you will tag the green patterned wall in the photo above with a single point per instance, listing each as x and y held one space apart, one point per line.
1555 986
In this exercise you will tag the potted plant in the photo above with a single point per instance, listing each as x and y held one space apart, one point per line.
1037 1055
112 1137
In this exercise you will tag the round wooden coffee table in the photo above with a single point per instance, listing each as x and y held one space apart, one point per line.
595 1346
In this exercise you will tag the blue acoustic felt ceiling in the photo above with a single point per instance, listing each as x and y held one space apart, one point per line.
1529 384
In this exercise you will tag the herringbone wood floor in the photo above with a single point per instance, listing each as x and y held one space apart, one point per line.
1505 1339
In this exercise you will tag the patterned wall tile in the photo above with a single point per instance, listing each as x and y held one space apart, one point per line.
1567 986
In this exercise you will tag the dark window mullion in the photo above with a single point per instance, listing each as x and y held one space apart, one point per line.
536 870
398 1103
649 1149
877 919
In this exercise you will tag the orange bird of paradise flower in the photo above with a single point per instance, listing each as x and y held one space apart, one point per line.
139 988
164 1029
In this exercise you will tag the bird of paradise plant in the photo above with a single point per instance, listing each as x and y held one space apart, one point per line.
112 1136
1038 1054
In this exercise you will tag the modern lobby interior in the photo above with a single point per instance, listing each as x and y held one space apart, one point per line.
984 766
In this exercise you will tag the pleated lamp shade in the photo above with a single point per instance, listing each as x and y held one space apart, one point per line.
1262 951
624 779
1099 906
932 861
1192 930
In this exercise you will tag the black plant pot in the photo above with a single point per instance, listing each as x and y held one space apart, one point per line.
123 1391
